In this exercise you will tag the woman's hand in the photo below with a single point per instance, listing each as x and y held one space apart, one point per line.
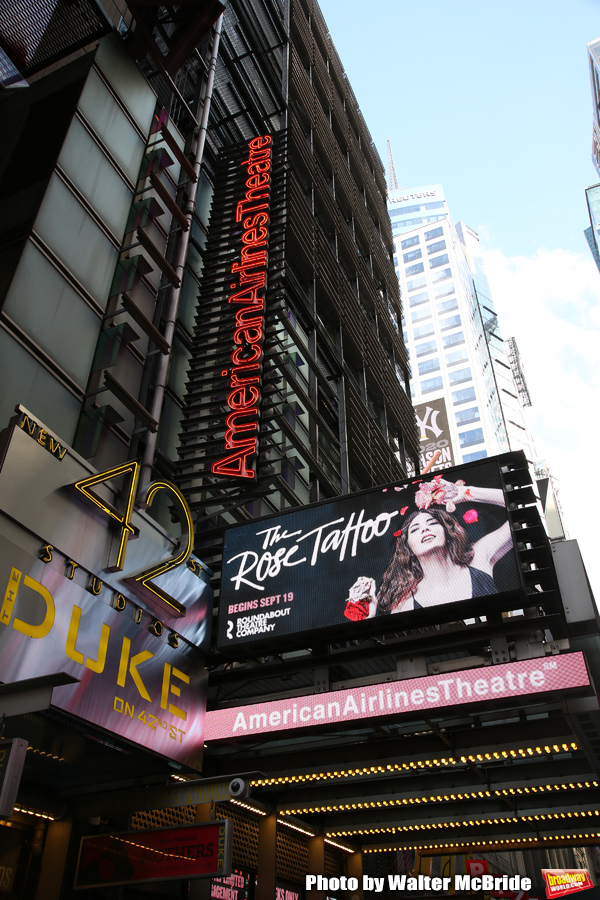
442 493
362 600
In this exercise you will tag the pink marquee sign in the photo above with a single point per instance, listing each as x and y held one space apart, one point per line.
516 679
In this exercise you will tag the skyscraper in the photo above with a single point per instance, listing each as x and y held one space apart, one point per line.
468 406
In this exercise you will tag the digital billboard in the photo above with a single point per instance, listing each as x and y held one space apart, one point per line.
411 696
427 542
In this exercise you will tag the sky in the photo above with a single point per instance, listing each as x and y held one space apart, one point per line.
493 100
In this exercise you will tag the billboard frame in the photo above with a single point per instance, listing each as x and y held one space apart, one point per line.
514 477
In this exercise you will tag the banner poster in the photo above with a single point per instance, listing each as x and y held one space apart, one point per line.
389 551
434 434
160 854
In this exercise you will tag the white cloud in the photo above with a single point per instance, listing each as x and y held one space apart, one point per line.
551 304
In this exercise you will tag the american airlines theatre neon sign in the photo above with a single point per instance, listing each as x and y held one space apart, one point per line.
248 295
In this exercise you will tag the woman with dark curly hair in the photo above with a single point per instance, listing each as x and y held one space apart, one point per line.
434 561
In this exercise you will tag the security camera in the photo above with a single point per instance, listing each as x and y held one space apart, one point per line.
238 788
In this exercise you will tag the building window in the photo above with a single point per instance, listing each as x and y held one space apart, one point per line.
474 436
417 299
438 261
467 416
431 384
453 340
441 275
410 242
444 289
457 356
414 270
412 254
423 331
424 349
460 375
471 457
429 365
435 232
416 284
418 314
434 248
465 395
447 305
450 322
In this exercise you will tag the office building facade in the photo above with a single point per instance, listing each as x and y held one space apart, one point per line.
462 383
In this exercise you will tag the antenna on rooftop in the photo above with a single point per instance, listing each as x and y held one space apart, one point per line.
392 177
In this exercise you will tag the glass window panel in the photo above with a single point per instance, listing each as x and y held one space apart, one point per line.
418 314
170 427
471 457
460 375
435 232
463 396
101 185
466 416
414 270
417 299
434 248
410 242
431 384
442 290
112 125
128 82
178 368
457 356
451 340
429 365
424 349
438 261
79 243
450 322
468 438
194 259
62 324
416 283
204 199
447 305
412 254
441 275
24 380
188 301
423 331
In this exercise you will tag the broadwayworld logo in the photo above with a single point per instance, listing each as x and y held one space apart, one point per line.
566 881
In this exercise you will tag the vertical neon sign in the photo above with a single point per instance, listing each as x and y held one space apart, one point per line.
248 293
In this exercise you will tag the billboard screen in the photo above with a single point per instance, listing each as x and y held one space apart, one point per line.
389 551
411 696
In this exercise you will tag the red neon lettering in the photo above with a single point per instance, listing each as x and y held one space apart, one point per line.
256 236
250 335
246 357
238 360
243 397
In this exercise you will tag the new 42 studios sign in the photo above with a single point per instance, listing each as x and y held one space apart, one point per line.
90 585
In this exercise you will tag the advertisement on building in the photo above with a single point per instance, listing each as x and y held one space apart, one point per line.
162 854
430 541
92 587
434 434
409 696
